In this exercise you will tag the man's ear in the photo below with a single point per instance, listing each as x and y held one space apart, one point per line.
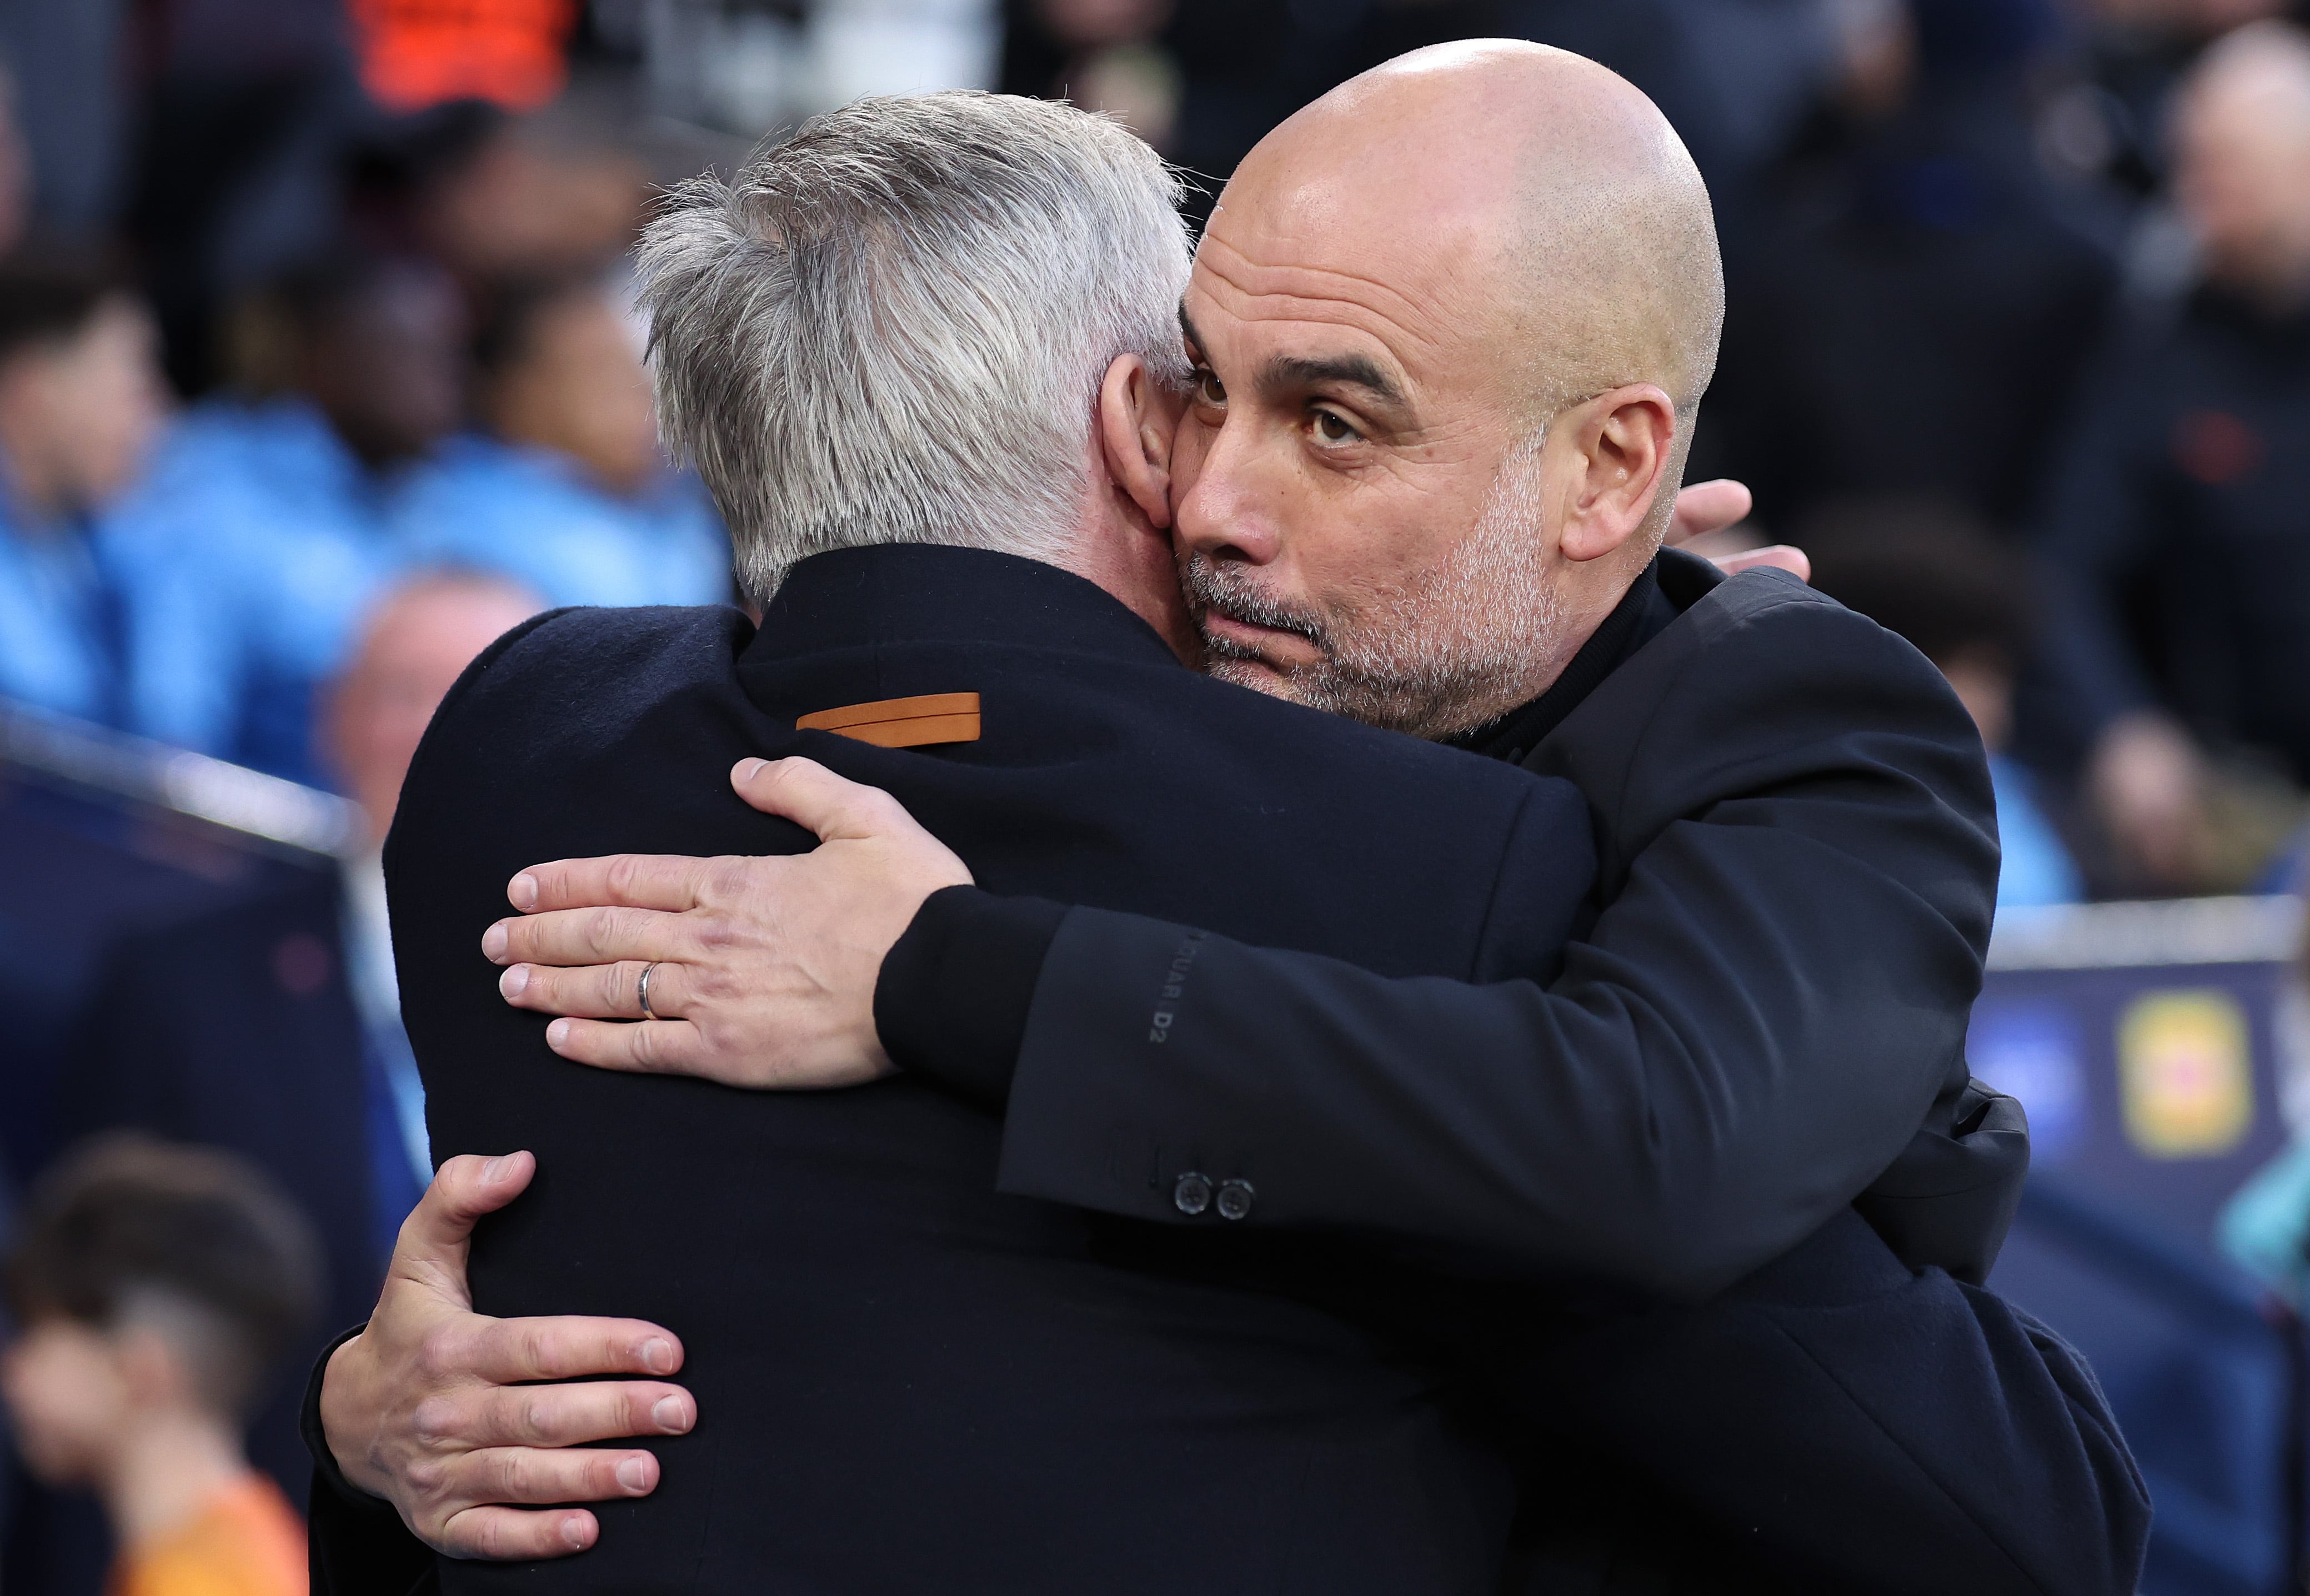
1624 441
1137 418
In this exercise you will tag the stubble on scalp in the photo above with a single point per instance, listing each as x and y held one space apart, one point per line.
1458 645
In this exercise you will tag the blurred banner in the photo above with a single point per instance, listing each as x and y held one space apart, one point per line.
2148 1041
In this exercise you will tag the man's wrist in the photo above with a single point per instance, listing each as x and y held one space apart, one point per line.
953 995
330 1435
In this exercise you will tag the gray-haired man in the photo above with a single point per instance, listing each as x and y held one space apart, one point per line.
1425 399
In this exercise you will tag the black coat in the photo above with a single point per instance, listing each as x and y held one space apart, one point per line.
2173 543
909 1381
942 1388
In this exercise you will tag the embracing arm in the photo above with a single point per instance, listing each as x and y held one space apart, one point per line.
1799 868
425 1425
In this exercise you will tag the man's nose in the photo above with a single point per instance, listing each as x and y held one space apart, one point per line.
1225 513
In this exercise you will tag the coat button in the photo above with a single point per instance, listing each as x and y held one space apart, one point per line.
1192 1194
1235 1199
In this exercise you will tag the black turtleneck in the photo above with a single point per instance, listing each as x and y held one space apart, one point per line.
952 999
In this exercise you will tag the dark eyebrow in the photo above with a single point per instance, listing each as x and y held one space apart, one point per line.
1305 372
1355 370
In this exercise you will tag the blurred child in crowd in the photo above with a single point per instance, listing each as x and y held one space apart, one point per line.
150 1284
1962 599
564 490
265 528
80 401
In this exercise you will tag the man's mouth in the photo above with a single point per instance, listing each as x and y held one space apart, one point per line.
1239 622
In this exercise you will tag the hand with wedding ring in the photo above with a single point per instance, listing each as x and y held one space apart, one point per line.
754 972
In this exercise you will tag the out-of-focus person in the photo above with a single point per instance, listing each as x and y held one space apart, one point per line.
80 403
2180 577
1967 601
265 529
1913 287
271 1027
565 490
154 1286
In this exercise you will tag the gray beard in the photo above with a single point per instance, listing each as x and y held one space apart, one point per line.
1458 646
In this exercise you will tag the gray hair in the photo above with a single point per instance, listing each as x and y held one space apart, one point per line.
891 328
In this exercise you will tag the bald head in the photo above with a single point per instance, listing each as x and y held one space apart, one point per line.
418 641
1520 188
2243 141
1450 325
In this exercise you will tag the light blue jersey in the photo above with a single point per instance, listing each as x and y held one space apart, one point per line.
534 515
257 542
61 634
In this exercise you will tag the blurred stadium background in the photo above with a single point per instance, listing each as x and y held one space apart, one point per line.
317 361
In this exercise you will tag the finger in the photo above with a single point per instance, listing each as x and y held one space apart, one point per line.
597 991
568 1347
568 937
808 794
432 1240
667 881
516 1475
639 1048
553 1416
1704 508
510 1535
1778 556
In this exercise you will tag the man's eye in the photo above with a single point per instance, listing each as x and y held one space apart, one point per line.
1209 389
1332 427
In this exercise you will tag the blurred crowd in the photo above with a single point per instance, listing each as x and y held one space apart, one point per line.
318 369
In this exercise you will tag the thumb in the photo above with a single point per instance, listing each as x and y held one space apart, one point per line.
811 796
434 1237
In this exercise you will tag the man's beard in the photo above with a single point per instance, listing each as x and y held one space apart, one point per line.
1455 647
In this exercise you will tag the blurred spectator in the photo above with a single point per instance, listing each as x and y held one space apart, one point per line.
153 1289
80 401
244 107
514 198
271 1027
265 529
419 52
566 492
1965 601
2181 577
1909 313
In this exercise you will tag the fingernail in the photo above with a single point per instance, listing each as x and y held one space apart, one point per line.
634 1475
493 942
748 769
557 1034
573 1532
491 1170
670 1415
657 1357
523 893
514 982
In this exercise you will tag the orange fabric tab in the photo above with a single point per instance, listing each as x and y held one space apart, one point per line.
901 722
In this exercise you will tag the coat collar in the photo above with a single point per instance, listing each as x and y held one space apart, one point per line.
924 592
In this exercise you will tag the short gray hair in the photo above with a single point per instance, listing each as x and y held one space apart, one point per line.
892 327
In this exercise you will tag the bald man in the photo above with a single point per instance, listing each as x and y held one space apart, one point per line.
1423 485
2177 507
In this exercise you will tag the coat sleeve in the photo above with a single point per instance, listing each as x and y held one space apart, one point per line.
357 1544
1858 1427
1798 860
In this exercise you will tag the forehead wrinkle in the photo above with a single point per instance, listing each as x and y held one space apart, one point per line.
1377 309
